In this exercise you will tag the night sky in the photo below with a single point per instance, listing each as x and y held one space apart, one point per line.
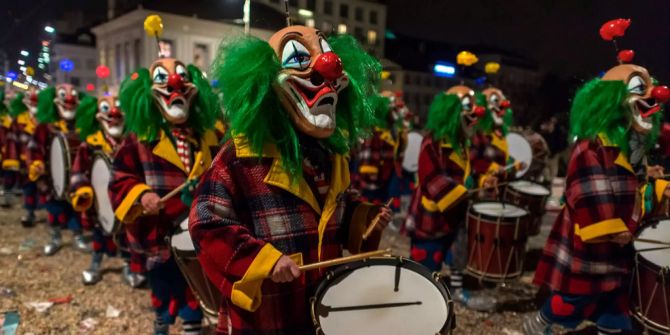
562 36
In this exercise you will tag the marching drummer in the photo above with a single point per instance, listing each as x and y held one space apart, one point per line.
56 109
276 195
100 125
8 174
170 144
588 256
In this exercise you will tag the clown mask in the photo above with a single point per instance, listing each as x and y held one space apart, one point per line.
310 80
470 112
110 116
643 99
66 101
30 100
172 89
497 104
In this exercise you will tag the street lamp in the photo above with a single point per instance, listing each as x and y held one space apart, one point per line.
25 53
50 29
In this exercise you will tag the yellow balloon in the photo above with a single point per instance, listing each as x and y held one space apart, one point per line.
30 71
153 25
492 68
466 58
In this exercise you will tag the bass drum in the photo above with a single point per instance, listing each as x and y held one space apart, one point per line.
385 295
530 148
101 174
184 254
60 164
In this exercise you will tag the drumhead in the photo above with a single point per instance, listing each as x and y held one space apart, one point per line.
410 161
529 187
659 232
59 165
499 209
181 240
520 150
101 173
363 298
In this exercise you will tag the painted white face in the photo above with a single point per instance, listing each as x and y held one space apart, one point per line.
30 100
641 108
110 117
66 100
172 89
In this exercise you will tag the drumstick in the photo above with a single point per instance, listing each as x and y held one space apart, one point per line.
645 240
372 225
475 190
343 260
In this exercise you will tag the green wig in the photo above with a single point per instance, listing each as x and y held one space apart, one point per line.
16 106
142 116
46 108
444 120
247 70
484 124
3 108
86 123
508 120
382 109
599 108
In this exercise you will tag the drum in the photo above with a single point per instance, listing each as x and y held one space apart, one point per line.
530 148
497 235
61 154
531 197
386 295
650 290
101 173
410 160
184 254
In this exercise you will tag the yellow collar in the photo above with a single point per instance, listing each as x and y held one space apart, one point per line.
62 125
461 160
203 159
621 160
6 121
279 177
27 121
98 140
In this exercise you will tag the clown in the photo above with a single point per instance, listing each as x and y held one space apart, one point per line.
23 111
170 111
8 176
56 107
589 255
276 194
101 127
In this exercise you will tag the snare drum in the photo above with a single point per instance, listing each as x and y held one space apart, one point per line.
385 295
531 148
184 254
61 155
497 235
101 173
650 291
530 196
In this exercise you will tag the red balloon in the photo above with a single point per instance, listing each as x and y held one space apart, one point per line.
614 28
102 71
661 94
626 56
90 87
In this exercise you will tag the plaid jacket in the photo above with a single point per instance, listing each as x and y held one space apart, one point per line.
39 145
602 198
380 156
6 131
247 213
17 140
436 208
488 153
142 166
80 175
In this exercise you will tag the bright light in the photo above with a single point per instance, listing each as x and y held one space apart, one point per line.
24 53
23 69
310 23
305 12
20 85
41 66
444 70
21 62
45 44
341 28
372 37
50 29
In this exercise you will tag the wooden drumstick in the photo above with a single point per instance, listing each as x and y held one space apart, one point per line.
475 190
375 221
343 260
645 240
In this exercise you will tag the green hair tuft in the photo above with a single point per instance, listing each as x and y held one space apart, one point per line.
16 106
86 123
381 106
47 111
444 119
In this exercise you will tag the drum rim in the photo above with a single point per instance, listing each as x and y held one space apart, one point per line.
502 220
638 255
512 183
341 270
59 136
108 161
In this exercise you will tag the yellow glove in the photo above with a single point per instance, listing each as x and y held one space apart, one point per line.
36 170
82 199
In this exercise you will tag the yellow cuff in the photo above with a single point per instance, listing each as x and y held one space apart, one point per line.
447 201
33 175
246 292
82 199
368 169
599 229
10 164
127 211
659 188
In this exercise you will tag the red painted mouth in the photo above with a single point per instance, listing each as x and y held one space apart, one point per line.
647 110
311 94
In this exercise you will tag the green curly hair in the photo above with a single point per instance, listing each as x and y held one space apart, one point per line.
599 107
247 70
444 120
47 112
144 119
4 110
86 123
16 106
382 109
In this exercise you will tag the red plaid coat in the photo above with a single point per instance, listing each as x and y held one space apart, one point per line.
15 145
246 214
602 198
142 166
380 156
488 153
437 208
38 148
6 131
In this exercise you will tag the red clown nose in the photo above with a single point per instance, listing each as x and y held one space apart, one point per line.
175 81
329 66
505 104
480 111
661 94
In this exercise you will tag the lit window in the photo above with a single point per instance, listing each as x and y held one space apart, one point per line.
372 37
341 28
309 23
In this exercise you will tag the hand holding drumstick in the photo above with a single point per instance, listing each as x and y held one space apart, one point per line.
380 221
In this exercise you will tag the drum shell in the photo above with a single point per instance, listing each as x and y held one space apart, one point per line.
71 141
534 204
96 210
496 246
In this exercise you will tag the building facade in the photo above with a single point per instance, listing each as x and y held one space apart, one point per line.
84 60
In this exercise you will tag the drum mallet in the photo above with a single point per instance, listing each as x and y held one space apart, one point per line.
344 260
375 221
